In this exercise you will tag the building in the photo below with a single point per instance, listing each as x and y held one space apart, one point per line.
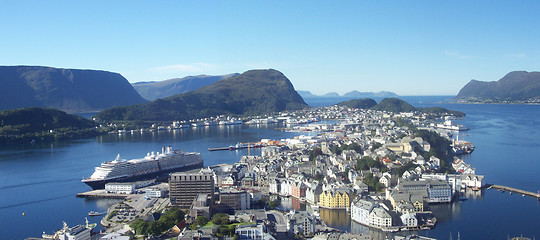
301 222
155 193
253 232
313 193
184 187
335 199
360 210
298 190
409 220
202 206
472 180
120 188
231 199
379 217
439 191
274 186
285 188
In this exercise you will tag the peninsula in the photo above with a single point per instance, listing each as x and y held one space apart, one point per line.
515 87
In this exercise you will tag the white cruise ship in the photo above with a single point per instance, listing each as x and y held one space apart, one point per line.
153 164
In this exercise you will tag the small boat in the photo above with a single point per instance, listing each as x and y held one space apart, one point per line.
475 189
94 213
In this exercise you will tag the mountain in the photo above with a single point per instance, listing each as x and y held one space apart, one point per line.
393 105
331 94
162 89
252 92
306 94
514 86
357 94
365 103
71 90
351 94
397 105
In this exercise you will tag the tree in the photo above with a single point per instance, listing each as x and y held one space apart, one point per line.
314 153
220 219
201 220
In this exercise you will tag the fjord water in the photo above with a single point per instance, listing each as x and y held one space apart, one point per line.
41 180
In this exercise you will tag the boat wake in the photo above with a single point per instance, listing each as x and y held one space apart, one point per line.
35 201
37 183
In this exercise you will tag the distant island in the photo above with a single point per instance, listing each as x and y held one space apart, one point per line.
351 94
397 106
163 89
250 93
37 125
514 87
70 90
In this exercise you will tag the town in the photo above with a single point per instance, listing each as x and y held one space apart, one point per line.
386 169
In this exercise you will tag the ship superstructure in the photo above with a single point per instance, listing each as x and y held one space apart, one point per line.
153 164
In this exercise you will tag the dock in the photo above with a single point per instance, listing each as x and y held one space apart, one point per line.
237 147
514 190
218 149
101 193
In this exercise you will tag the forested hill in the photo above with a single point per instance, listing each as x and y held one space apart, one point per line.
70 90
252 92
396 105
36 119
364 103
41 125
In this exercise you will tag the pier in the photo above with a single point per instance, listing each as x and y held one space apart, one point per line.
102 194
514 190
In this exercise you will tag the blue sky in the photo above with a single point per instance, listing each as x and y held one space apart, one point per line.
408 47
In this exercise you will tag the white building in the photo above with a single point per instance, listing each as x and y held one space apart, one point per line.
360 210
120 188
285 188
253 232
472 180
274 186
409 220
155 193
379 217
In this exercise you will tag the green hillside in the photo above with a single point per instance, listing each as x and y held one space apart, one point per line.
252 92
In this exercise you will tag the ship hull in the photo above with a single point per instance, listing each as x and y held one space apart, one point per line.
100 184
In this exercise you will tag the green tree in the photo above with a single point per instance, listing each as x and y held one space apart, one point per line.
220 219
201 220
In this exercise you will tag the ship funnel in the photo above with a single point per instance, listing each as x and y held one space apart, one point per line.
163 150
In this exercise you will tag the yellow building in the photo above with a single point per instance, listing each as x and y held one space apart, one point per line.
335 199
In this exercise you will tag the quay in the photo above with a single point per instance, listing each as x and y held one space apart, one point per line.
237 146
218 149
514 190
101 193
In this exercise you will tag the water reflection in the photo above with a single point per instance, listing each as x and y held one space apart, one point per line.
334 218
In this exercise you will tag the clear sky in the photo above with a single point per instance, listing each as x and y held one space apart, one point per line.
408 47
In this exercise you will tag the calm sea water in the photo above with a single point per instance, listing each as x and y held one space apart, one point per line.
41 180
